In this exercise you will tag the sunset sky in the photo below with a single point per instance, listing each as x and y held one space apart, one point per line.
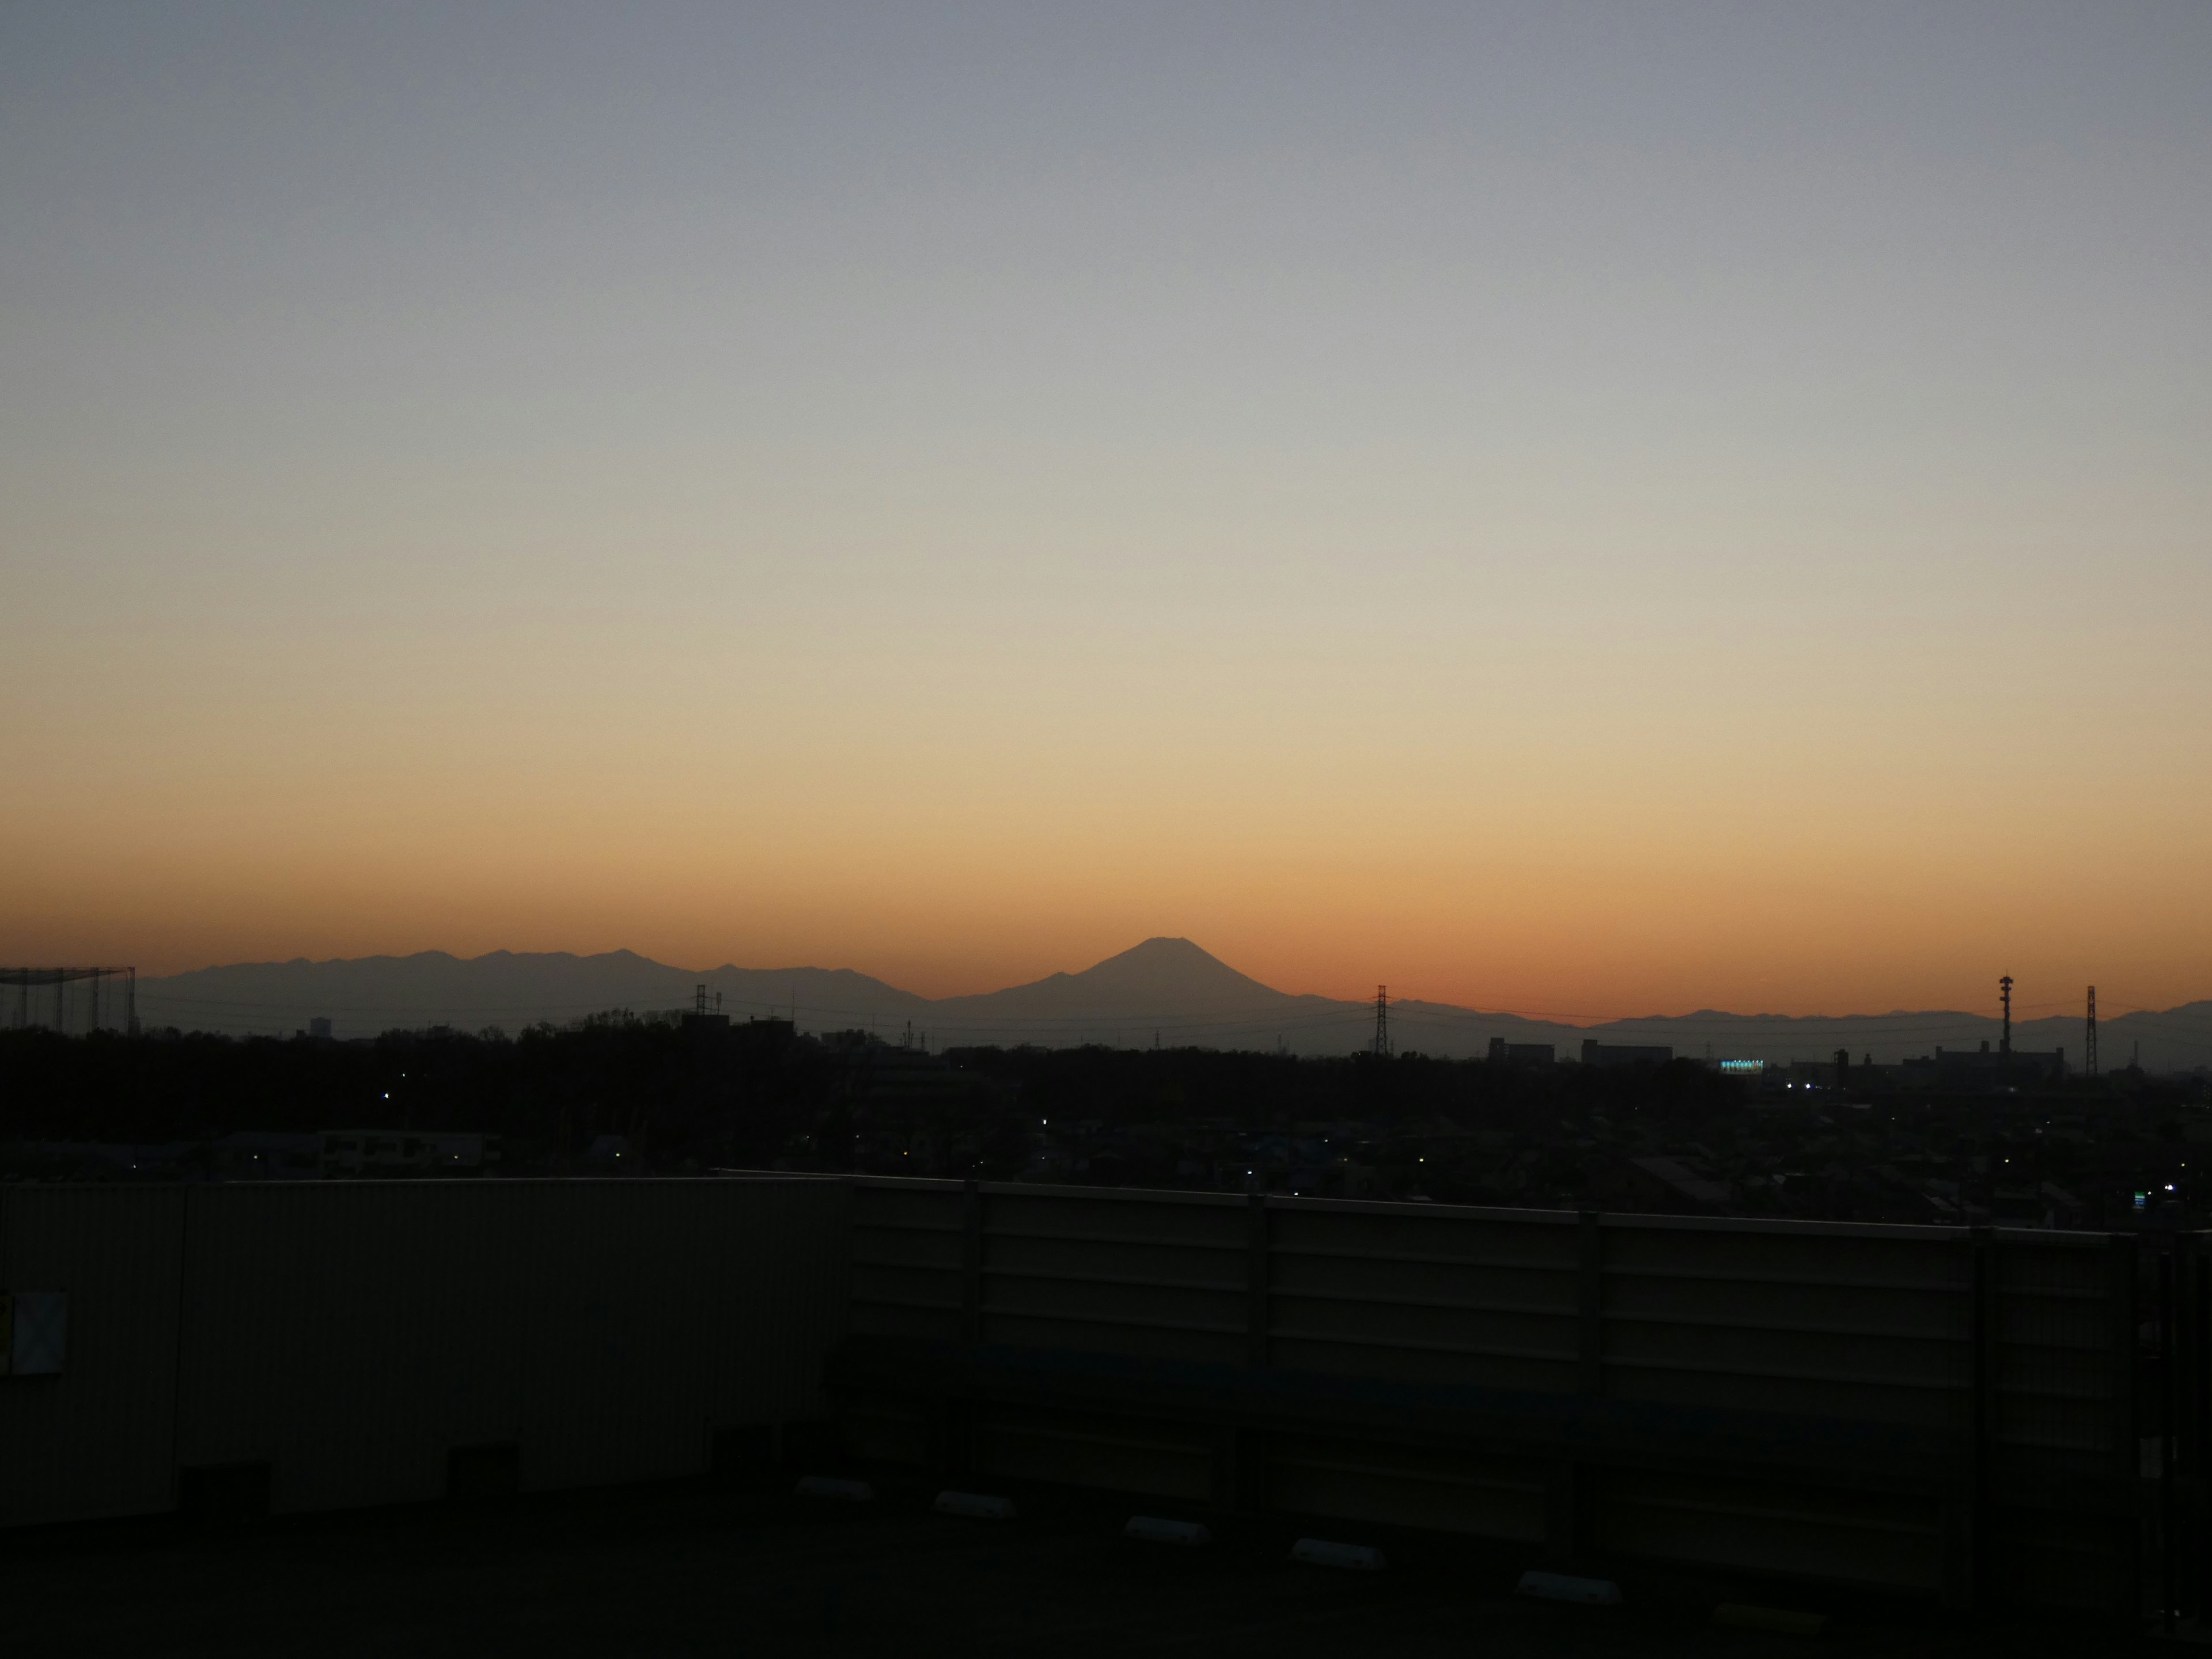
1594 510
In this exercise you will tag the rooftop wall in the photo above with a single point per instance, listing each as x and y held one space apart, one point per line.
351 1336
1967 1414
1947 1412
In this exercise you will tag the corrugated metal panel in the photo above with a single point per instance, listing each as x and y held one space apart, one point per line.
351 1334
1872 1325
1483 1299
1860 1334
1400 1485
2057 1399
96 1440
1875 1540
2062 1449
905 1255
1105 1452
1154 1276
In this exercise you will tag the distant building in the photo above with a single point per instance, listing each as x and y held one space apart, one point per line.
1666 1184
319 1031
1972 1069
1503 1052
1625 1054
872 1071
385 1153
1689 1183
250 1155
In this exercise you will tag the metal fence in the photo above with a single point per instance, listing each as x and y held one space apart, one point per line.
1985 1416
71 1000
1945 1412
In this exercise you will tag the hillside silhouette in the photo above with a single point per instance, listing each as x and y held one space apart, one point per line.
1166 990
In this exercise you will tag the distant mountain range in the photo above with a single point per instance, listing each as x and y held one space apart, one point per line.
1165 990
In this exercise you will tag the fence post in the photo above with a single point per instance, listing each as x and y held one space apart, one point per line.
1982 1470
1966 1511
971 1262
1240 1455
1590 1262
2168 1426
1568 1496
2126 1371
1256 1246
2196 1421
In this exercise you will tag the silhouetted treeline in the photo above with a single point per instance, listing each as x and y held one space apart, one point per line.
1264 1090
757 1095
652 1083
2113 1151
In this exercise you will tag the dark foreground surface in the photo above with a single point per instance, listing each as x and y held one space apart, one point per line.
681 1571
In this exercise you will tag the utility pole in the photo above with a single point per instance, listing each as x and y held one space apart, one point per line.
1381 1022
2089 1047
2004 989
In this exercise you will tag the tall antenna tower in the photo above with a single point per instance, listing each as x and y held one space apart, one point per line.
2004 990
1381 1022
2089 1044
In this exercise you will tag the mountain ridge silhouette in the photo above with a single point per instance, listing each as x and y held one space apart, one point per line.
1165 988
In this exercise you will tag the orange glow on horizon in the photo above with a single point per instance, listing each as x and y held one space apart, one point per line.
1568 518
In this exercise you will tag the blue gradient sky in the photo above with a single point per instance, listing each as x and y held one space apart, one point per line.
1610 509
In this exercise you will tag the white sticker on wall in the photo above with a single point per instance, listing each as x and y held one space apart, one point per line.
40 1337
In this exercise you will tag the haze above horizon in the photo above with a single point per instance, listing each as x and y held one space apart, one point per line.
1569 510
1159 975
